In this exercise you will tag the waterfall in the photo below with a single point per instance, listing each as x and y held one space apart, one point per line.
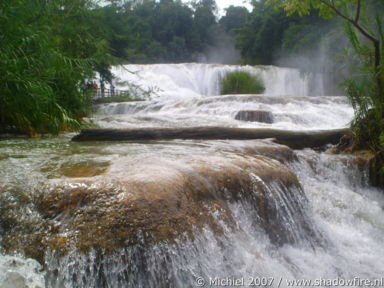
18 272
346 214
185 213
187 95
191 80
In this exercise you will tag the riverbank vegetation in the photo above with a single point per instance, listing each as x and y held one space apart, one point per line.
241 82
47 53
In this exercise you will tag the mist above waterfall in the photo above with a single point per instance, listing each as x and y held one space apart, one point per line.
222 52
324 61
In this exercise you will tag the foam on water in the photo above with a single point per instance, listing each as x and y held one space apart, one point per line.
348 215
18 272
191 79
292 113
186 95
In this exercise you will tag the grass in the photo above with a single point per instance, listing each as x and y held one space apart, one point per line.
241 82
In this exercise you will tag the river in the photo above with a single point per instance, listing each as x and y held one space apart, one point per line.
192 213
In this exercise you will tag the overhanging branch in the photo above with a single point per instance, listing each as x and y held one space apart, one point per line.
354 22
358 9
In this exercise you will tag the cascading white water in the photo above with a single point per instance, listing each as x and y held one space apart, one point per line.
186 95
182 81
332 228
347 214
18 272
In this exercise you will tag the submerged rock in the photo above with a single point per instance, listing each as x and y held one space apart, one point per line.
365 158
255 116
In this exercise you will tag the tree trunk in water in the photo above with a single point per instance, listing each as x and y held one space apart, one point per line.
293 139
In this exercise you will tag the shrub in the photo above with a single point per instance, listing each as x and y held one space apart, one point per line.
241 82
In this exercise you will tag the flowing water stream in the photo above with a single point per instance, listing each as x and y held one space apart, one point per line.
186 213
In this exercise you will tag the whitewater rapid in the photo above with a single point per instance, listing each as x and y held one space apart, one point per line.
333 221
185 95
188 80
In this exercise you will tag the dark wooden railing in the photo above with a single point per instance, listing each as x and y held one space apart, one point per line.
133 93
107 93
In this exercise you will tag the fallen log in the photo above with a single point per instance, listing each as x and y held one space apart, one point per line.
293 139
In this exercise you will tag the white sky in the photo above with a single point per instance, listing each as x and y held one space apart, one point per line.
222 4
226 3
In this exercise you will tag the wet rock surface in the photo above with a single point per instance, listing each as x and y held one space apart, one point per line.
16 272
154 201
255 116
119 212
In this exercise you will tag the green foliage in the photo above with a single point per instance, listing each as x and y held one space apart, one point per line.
269 33
304 7
365 92
364 26
234 19
241 82
47 52
158 31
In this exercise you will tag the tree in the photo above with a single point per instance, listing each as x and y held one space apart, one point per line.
260 39
172 27
205 21
47 54
150 31
235 18
365 29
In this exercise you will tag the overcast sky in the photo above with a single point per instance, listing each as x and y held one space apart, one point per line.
222 4
226 3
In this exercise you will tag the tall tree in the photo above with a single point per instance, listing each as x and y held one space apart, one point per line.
235 18
261 38
205 20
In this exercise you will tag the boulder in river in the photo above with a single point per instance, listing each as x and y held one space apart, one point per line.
255 116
